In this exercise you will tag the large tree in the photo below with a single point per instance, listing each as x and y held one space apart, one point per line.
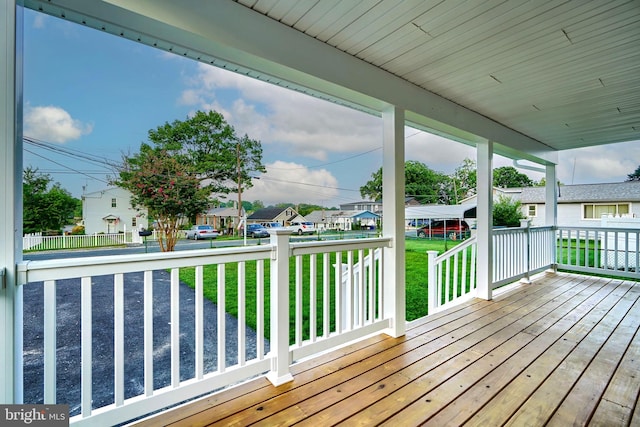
198 157
45 206
421 182
210 146
635 176
372 189
509 177
465 179
168 188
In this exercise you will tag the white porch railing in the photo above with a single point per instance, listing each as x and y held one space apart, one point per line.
521 251
356 281
601 250
517 253
332 319
452 275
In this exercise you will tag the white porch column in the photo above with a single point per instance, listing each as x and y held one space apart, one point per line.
551 204
550 196
279 345
485 219
11 197
393 218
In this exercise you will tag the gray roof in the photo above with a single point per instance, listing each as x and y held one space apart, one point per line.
609 192
222 212
317 216
269 214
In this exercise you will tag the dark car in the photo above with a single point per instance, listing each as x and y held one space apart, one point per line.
453 230
257 230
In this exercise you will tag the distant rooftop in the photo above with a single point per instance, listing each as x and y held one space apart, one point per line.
608 192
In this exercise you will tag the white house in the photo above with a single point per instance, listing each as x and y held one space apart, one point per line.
110 211
585 204
578 205
343 219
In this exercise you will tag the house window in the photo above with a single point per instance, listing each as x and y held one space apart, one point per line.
532 210
114 203
134 221
595 211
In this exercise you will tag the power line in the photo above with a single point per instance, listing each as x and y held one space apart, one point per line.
262 177
64 166
79 155
75 154
330 163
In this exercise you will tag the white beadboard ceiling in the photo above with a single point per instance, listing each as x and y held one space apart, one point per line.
531 75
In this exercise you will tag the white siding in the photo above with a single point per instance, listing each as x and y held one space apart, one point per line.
98 205
570 215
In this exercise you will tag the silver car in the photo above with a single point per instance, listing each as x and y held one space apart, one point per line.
202 232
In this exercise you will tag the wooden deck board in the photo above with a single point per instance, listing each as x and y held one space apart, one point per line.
562 350
616 405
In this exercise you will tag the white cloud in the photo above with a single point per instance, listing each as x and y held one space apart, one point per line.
313 129
53 124
309 127
293 183
440 154
605 163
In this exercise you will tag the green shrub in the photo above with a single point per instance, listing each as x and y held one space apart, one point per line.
78 230
507 212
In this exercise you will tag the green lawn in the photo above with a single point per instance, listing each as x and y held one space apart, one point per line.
416 279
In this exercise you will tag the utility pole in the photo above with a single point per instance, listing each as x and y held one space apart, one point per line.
238 169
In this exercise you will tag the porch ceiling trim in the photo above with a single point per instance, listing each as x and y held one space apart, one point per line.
227 34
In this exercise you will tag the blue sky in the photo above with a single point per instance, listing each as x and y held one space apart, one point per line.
96 96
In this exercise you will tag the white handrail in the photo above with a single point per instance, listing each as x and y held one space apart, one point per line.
157 276
452 275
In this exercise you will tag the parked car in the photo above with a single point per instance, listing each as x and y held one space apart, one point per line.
269 225
302 227
455 230
202 232
257 230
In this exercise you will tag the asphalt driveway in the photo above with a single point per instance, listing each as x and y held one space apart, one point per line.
69 333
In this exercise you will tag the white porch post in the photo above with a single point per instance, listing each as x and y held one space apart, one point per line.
393 218
11 196
279 289
551 205
485 219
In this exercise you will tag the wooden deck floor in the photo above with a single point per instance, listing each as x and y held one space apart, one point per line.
563 351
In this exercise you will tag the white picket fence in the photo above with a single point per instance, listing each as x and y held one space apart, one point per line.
36 241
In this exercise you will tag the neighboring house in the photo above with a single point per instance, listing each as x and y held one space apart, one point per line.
585 204
411 201
497 192
222 219
363 205
110 211
578 205
375 207
343 219
321 219
282 215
